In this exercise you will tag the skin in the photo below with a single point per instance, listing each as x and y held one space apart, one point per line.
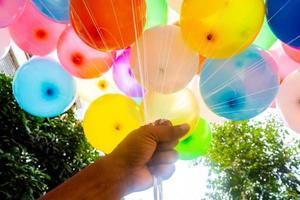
146 152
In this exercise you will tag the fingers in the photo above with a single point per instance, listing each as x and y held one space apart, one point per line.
167 145
164 157
165 133
164 171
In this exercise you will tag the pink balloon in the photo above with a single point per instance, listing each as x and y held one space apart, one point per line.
79 59
294 53
4 42
286 65
288 100
34 33
10 10
123 76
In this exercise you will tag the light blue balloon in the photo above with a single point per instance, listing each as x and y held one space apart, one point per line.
42 88
241 87
57 10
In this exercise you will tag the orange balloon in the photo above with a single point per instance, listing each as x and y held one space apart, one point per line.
108 25
202 60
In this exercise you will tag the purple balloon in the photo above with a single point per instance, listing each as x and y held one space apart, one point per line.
123 76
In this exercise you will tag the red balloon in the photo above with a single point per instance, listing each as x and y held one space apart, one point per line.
108 25
81 60
294 53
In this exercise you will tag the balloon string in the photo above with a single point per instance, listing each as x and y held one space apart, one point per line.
223 104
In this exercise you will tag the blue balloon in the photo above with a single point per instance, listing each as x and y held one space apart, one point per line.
42 88
241 87
284 19
57 10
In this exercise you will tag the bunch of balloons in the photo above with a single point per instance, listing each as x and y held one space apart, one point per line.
223 60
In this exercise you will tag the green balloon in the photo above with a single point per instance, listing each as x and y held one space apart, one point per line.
157 13
197 144
265 38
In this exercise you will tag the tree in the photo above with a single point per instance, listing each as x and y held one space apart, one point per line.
37 154
252 160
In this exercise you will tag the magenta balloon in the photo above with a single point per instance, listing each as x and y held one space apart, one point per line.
123 76
294 53
79 59
286 65
10 10
34 33
288 100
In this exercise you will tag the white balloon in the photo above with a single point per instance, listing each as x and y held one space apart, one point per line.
175 4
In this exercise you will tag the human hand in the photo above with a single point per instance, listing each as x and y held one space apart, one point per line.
147 152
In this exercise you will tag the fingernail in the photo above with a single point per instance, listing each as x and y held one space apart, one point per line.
184 127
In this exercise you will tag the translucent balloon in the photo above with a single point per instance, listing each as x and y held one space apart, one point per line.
109 119
197 144
286 65
205 113
175 4
34 33
157 13
283 17
108 25
265 39
10 10
294 53
90 89
42 88
241 87
123 76
4 42
161 61
81 60
57 10
288 100
179 108
221 28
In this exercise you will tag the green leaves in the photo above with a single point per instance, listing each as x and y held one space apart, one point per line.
37 154
253 160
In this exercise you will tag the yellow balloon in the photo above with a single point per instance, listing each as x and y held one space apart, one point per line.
180 107
221 28
109 119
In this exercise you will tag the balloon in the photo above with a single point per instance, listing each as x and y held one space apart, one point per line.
90 89
265 39
221 28
4 42
179 108
57 10
42 88
175 4
202 60
283 17
81 60
123 76
108 25
205 113
294 53
10 10
34 33
109 119
286 65
241 87
157 13
197 144
288 100
161 61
